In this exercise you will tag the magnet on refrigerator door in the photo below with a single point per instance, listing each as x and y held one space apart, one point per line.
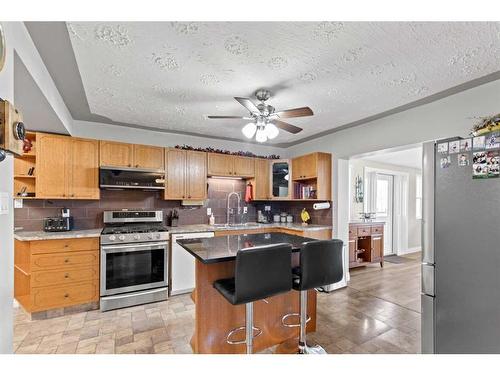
443 148
454 147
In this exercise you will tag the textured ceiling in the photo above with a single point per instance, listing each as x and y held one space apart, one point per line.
169 75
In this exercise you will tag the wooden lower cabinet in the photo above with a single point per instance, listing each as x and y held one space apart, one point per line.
366 244
323 234
56 273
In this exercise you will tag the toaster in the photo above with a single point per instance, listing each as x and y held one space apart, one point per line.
58 224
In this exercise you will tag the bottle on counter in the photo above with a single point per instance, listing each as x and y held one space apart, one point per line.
211 220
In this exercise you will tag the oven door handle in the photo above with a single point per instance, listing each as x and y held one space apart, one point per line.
136 247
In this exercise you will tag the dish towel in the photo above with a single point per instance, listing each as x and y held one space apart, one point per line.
249 193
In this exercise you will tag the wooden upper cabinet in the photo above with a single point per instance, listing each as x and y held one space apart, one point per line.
196 175
84 169
148 157
262 182
116 154
243 166
68 168
52 166
305 167
220 164
175 179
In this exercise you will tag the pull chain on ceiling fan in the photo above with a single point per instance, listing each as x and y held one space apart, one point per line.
265 121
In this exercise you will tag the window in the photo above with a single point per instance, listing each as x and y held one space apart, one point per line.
418 196
382 197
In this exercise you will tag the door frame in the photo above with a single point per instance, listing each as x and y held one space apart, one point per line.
390 214
400 206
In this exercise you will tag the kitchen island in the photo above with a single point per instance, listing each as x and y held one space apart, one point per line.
215 317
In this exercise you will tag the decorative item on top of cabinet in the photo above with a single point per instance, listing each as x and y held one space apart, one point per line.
67 167
366 244
312 176
230 166
186 175
117 154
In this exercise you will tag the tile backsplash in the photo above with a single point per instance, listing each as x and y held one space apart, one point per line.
87 214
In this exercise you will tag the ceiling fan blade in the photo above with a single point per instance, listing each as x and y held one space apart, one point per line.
295 112
287 127
248 104
230 117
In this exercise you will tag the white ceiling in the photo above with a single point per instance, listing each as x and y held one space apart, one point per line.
169 75
411 158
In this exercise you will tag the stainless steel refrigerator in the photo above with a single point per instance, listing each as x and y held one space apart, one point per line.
460 255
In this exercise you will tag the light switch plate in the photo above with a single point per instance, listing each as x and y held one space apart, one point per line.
267 208
245 209
4 203
209 211
18 203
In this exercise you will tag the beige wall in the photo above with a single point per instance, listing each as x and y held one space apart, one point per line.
357 169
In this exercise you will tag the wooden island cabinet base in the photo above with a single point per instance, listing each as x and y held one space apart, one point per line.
215 316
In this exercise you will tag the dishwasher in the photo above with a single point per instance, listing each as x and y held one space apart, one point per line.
183 264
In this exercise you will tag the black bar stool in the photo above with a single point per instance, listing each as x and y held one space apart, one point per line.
260 272
320 265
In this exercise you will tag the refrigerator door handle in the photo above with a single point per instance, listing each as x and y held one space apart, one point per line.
428 178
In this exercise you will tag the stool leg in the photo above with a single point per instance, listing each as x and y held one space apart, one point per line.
249 326
303 348
303 319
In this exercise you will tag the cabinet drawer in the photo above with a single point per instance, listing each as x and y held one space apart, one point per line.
379 229
63 277
353 233
66 260
364 231
70 244
62 296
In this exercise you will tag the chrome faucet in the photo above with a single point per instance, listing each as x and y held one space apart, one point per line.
229 210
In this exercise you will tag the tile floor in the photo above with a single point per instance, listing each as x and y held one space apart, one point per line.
377 313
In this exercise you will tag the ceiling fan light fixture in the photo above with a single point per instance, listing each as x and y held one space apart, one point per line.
249 130
272 131
261 135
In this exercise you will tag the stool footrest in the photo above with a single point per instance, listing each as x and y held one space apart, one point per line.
257 332
285 317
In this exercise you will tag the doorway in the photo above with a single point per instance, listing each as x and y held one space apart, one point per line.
384 205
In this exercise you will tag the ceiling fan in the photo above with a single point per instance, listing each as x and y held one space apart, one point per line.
264 120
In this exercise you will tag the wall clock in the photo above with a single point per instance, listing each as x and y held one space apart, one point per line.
3 49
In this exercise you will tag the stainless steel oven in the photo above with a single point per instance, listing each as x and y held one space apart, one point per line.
134 256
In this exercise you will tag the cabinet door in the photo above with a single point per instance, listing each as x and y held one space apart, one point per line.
377 248
262 184
52 166
116 154
220 165
297 168
175 174
352 251
196 175
84 181
304 167
149 157
243 167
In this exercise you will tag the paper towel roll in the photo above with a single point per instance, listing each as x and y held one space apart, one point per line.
321 206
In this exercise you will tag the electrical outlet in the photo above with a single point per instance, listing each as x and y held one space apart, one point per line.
267 208
245 209
209 211
18 203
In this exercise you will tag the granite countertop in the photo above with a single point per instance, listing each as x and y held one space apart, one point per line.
224 248
213 228
41 235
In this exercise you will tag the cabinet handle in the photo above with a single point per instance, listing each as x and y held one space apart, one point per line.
137 165
189 196
130 165
66 275
66 295
66 260
66 245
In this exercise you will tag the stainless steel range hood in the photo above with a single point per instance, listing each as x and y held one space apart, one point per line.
123 178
